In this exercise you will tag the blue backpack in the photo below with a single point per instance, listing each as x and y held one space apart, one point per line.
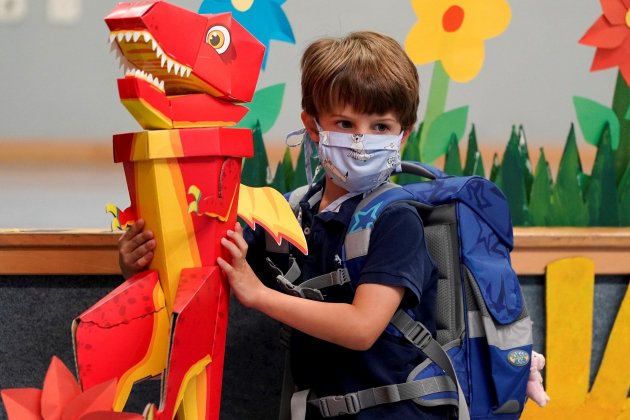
479 360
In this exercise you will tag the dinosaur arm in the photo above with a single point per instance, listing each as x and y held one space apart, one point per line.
268 208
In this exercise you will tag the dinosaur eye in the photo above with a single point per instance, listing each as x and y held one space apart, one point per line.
219 38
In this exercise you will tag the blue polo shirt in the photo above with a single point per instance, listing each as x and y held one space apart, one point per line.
398 257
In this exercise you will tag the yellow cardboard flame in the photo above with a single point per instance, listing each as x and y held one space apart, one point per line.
268 208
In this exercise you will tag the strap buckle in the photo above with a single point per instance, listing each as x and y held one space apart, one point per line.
419 336
337 405
302 292
343 275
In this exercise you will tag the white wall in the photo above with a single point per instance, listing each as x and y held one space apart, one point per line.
58 82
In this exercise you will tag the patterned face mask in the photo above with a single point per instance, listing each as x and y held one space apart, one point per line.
358 162
355 162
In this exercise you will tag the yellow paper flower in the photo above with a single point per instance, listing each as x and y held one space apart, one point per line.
454 31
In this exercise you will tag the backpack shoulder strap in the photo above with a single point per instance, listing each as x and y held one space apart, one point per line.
295 196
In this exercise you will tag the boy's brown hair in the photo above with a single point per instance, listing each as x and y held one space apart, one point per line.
365 70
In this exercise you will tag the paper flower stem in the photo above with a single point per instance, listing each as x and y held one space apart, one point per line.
621 107
436 103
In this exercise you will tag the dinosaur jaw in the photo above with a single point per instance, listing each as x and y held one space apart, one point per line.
142 57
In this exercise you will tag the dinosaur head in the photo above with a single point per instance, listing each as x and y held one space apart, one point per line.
182 52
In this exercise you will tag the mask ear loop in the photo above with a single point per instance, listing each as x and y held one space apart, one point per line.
307 143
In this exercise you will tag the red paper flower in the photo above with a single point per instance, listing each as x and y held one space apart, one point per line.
61 399
611 35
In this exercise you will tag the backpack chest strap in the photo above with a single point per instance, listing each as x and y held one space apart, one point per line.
308 289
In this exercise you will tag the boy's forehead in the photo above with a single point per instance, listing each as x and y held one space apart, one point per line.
348 111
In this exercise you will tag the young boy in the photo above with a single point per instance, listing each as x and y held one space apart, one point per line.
360 101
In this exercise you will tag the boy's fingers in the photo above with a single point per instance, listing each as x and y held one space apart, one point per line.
237 237
134 229
137 242
139 256
227 268
232 248
144 260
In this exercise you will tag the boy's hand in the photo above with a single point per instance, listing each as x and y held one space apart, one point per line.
244 283
135 249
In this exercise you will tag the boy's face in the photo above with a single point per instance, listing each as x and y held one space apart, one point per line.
346 120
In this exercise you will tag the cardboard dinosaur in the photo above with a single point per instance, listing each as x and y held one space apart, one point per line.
186 76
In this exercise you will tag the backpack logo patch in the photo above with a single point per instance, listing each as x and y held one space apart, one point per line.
518 358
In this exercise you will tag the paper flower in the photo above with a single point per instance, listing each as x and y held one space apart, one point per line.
611 35
61 398
265 19
454 31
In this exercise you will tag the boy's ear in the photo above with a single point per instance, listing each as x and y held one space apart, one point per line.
405 136
309 123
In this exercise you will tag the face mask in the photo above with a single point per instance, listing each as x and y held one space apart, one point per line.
358 162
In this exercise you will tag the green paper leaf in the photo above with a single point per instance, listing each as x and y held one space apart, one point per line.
513 181
255 171
264 108
441 130
474 165
602 188
411 152
288 168
478 168
567 204
452 163
279 179
495 170
621 106
524 154
624 198
593 117
540 198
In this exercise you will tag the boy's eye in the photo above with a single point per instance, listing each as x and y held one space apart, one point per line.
381 128
346 125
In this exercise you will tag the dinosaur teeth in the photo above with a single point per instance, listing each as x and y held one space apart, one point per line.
141 74
122 41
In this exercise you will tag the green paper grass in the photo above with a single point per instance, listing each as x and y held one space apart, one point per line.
540 197
255 172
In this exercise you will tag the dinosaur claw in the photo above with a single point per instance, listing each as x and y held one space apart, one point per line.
193 206
112 209
122 218
195 192
115 224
